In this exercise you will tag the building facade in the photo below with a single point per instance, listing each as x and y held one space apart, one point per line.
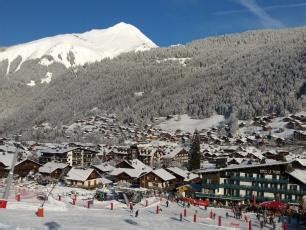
278 181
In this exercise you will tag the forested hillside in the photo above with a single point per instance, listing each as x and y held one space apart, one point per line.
251 74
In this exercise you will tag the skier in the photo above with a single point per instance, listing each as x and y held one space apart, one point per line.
131 208
136 213
167 203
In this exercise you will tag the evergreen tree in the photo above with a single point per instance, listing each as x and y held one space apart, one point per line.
195 153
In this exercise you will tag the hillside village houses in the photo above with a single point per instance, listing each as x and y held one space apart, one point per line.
235 168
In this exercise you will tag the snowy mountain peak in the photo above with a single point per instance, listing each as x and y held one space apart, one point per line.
79 48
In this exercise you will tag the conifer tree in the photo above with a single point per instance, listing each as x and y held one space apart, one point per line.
195 154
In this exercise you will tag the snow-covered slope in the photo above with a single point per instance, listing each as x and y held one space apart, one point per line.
78 49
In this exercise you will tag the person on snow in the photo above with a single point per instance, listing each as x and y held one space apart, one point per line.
136 213
167 203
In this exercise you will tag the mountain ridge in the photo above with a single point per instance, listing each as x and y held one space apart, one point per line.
79 48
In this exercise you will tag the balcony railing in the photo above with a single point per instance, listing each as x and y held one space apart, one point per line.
210 186
240 198
256 179
262 189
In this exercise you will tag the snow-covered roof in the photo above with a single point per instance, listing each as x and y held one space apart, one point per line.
237 159
188 176
301 161
104 180
19 162
299 174
79 174
137 164
58 150
171 153
50 167
7 148
134 173
163 174
241 153
6 159
104 167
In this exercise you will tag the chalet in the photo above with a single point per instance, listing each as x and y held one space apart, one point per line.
53 169
158 179
177 156
73 156
83 178
26 167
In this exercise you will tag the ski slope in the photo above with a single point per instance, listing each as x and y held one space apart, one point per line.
20 215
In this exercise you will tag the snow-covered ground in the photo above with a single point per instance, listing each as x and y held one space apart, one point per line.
185 123
278 126
182 61
63 215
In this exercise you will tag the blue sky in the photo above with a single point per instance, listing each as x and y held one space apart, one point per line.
165 22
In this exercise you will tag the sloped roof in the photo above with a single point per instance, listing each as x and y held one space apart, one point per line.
104 180
58 150
8 148
299 174
105 167
171 153
301 161
188 176
51 167
137 164
134 173
237 159
6 159
79 174
163 174
19 162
